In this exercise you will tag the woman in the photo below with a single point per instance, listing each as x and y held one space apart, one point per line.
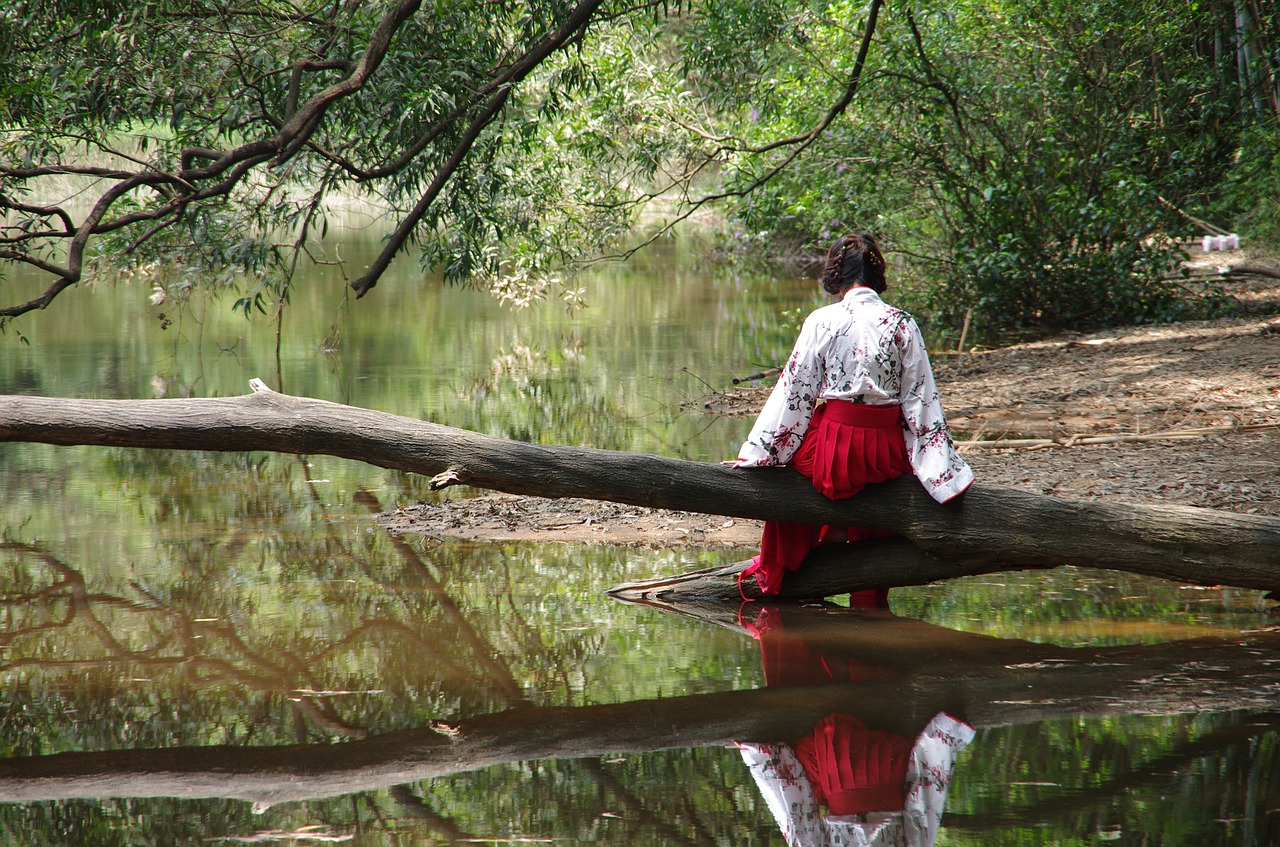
855 404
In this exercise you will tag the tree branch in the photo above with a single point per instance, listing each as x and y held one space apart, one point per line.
404 230
574 23
234 163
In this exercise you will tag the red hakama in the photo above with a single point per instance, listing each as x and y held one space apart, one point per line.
847 446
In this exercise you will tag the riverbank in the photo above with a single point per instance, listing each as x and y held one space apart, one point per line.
1185 414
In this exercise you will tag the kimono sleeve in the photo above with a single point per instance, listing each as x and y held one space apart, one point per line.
787 792
785 419
934 459
929 772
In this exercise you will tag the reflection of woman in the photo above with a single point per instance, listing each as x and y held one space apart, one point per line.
878 788
844 783
856 403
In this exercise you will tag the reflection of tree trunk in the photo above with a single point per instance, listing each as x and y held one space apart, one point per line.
988 681
415 807
991 528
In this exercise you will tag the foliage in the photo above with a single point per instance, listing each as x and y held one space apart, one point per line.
1024 159
205 142
1020 158
1251 190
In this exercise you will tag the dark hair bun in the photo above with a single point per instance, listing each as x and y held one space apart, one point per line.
852 261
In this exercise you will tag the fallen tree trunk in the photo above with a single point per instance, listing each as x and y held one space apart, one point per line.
989 682
990 528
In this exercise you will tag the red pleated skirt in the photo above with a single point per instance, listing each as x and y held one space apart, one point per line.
847 446
851 444
854 769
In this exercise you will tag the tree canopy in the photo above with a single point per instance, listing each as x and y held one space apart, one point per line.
1027 160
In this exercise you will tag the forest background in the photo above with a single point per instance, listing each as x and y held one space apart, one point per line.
1031 166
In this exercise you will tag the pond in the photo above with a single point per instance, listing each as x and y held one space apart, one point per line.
212 648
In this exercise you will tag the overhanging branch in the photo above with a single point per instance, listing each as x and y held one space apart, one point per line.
234 164
798 143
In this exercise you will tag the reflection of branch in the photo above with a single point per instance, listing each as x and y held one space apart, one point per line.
481 649
638 815
556 665
186 645
440 654
415 807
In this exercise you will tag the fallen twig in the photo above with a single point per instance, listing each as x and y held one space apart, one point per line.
757 375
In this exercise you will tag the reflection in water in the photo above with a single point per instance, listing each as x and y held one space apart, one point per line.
844 783
861 699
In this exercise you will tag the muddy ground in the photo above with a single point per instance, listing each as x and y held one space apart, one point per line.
1184 413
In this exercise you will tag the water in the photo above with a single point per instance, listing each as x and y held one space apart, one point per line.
225 648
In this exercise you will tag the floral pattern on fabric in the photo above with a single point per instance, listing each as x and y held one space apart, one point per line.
864 351
791 799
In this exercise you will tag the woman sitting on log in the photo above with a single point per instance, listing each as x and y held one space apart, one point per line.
856 403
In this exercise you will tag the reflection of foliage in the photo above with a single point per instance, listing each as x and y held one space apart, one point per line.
530 400
214 589
1076 606
1166 778
694 797
152 674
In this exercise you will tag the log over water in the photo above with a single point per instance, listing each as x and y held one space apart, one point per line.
990 528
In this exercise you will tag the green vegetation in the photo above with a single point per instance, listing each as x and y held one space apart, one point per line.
1028 163
1025 159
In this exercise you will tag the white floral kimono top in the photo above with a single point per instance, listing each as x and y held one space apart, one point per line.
864 351
786 790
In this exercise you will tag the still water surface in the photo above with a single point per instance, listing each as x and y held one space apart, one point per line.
207 648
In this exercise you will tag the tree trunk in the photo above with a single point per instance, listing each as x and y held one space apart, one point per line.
989 528
989 682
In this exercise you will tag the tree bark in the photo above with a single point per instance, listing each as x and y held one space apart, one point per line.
986 681
989 528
